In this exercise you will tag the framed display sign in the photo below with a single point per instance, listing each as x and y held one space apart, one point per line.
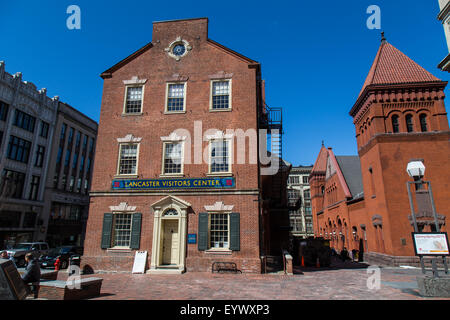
431 243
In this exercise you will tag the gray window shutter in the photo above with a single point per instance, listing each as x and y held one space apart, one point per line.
136 231
235 243
202 231
107 230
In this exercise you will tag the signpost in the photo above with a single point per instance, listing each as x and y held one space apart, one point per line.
431 243
12 286
140 260
192 238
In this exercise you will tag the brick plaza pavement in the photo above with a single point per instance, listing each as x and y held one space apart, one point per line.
313 284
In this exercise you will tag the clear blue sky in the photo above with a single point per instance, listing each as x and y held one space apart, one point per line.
315 55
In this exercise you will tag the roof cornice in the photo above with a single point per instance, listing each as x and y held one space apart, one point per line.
373 88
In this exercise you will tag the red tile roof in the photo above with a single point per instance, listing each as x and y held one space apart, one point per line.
391 66
320 166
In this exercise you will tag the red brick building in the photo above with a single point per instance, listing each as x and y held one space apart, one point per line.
361 202
167 180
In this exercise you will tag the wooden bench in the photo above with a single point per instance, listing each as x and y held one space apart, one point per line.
68 290
221 267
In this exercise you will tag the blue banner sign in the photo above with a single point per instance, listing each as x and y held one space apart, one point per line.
199 183
192 238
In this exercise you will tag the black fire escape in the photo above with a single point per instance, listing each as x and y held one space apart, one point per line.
272 120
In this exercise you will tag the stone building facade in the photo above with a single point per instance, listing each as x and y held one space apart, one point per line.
27 122
37 201
444 18
361 202
168 181
300 214
69 178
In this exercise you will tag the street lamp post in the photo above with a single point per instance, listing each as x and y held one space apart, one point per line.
416 170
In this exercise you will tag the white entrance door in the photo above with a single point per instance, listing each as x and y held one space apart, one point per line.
170 242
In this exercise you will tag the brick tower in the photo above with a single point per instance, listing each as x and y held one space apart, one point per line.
400 115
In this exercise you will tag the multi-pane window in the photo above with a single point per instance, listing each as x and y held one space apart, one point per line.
294 179
175 97
29 220
307 194
220 156
122 230
69 141
24 121
34 188
409 123
13 183
219 230
39 156
44 129
78 189
85 141
62 137
75 160
3 111
173 158
423 123
71 183
18 149
395 125
67 159
91 146
293 196
220 95
78 139
127 159
133 103
305 179
59 156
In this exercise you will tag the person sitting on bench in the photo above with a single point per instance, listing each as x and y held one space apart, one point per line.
32 272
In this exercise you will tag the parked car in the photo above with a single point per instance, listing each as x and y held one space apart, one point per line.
64 253
19 251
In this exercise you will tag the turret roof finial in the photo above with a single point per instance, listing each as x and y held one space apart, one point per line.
383 38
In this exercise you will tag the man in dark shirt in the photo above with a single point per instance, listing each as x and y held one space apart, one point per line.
32 272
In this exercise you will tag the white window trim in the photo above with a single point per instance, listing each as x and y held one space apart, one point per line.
213 249
229 94
119 156
163 174
230 157
167 97
113 230
124 113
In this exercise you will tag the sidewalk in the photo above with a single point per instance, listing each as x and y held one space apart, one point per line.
318 284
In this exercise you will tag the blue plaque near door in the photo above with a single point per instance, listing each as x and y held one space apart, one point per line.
192 238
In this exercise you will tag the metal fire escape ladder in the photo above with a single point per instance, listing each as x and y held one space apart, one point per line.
273 120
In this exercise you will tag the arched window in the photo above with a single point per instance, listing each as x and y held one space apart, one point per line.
395 125
423 122
409 123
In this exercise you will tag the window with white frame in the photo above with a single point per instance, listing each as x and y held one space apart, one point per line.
175 97
173 158
121 230
294 179
128 159
220 99
220 156
133 102
219 230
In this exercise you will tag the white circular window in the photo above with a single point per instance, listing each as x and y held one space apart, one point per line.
178 48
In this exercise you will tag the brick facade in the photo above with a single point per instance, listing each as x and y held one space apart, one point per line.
377 221
204 61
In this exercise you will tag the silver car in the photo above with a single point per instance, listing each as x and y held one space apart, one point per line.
20 250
